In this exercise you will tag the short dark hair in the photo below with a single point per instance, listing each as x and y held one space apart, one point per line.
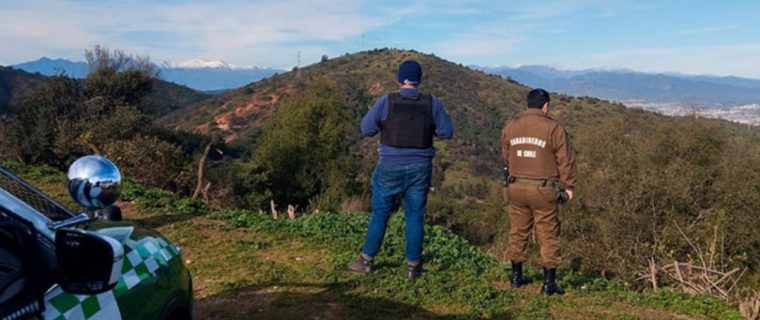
537 98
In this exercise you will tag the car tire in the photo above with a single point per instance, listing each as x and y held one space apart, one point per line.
178 309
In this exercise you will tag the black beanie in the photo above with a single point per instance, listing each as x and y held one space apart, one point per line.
409 72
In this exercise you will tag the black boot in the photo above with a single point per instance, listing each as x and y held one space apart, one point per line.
362 264
550 286
414 270
517 279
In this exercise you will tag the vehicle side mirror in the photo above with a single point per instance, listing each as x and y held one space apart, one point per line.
88 263
94 182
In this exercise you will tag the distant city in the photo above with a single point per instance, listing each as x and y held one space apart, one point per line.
746 114
730 98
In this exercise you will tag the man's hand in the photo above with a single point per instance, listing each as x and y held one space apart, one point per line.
569 195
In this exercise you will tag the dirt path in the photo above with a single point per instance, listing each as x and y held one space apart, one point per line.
238 274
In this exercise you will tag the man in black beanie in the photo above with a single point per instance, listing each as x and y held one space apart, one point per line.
407 120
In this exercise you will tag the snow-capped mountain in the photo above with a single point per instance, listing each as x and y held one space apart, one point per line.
206 64
199 74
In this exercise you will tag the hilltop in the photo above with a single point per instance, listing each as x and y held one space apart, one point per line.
642 175
244 264
478 103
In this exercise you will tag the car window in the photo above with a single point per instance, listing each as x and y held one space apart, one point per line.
20 291
33 197
44 248
11 271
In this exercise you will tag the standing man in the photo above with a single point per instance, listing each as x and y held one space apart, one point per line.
407 121
541 161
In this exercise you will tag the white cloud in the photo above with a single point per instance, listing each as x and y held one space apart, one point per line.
270 32
706 30
229 30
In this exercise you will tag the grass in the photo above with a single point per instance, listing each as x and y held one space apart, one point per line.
245 265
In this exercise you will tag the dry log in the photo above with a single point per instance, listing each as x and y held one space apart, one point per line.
273 208
292 212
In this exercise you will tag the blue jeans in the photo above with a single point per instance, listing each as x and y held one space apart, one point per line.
388 181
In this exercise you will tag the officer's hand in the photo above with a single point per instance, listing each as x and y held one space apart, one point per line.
569 195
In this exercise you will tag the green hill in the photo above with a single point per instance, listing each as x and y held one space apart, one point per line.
246 265
14 84
642 175
164 98
466 168
168 96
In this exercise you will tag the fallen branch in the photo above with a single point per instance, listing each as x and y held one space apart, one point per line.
708 276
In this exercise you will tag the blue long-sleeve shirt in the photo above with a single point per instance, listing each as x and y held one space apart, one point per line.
370 126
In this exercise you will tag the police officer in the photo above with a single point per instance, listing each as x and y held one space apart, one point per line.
542 170
407 121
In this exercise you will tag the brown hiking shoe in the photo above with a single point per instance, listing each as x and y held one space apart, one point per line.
363 264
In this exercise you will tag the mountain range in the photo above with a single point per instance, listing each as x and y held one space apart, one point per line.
166 96
198 74
631 86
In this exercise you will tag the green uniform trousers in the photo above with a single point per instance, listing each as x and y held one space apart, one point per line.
533 206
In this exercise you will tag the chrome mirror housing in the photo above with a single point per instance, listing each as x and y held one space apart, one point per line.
94 182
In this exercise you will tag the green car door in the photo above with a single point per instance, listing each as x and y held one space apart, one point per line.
154 283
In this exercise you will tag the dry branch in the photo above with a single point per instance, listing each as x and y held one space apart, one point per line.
707 276
750 306
653 273
273 208
205 191
201 165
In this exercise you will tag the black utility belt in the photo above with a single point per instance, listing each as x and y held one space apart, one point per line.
538 182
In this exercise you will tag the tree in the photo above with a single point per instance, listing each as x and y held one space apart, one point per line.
119 78
35 133
65 118
304 149
146 159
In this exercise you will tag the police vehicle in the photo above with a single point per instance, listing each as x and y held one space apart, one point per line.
56 264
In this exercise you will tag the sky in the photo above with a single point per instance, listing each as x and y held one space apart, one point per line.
691 37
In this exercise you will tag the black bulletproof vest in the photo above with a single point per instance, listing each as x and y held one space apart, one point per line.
409 123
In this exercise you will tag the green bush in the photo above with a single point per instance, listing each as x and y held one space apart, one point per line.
303 153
